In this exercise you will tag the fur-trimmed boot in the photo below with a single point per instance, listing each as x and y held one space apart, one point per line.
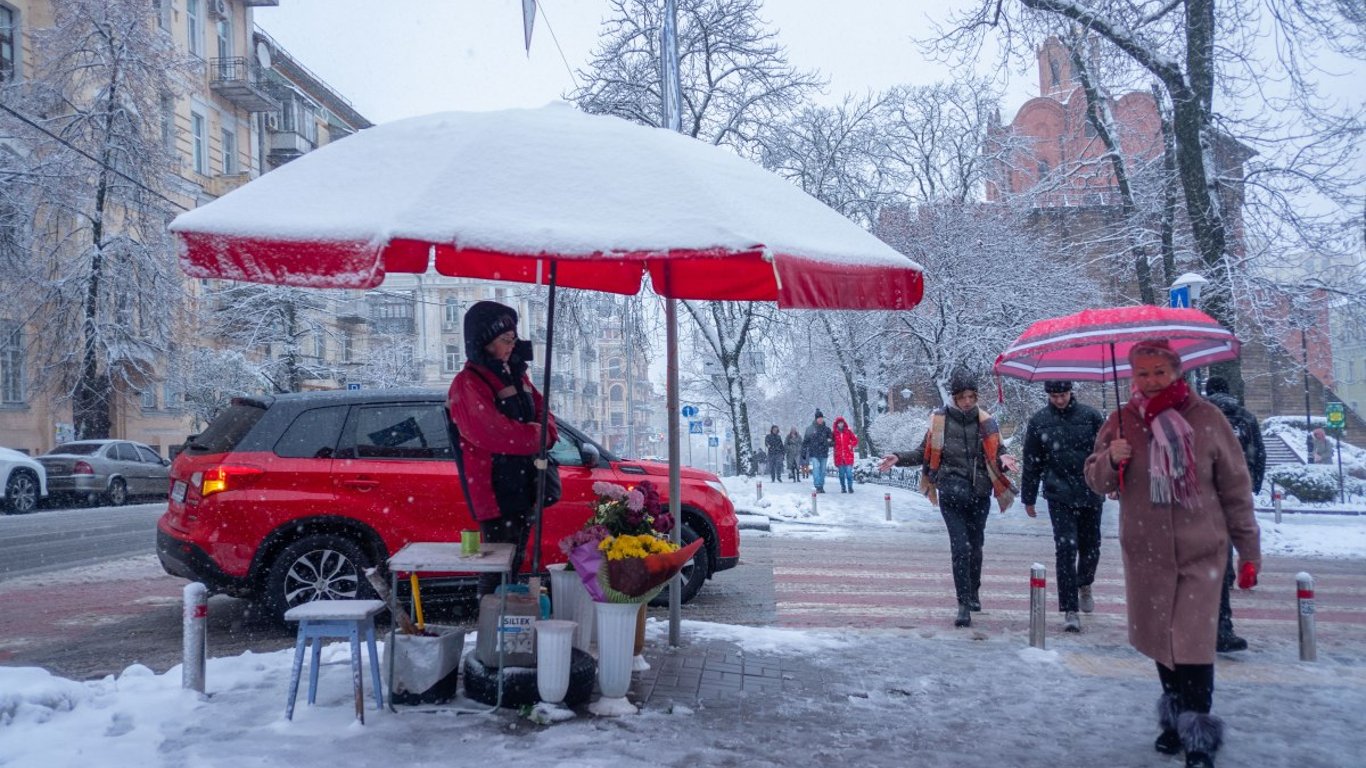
1168 710
1201 735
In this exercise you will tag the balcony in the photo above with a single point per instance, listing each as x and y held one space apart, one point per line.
224 183
353 311
238 80
285 145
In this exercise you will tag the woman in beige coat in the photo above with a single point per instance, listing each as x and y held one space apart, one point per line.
1184 492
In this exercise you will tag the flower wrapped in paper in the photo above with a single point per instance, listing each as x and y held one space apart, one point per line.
630 568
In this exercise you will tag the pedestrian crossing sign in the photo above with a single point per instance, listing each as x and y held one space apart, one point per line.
694 427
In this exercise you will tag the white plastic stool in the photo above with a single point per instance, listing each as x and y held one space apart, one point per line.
323 619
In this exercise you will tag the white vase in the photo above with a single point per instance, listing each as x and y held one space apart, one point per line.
585 609
565 588
554 649
616 641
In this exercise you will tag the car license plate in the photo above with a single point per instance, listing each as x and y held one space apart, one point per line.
178 490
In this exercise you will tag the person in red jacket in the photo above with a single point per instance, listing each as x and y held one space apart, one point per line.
845 443
498 412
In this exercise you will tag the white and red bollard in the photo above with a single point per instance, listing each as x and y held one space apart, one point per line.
813 502
1037 603
887 501
1276 497
758 489
1304 595
195 636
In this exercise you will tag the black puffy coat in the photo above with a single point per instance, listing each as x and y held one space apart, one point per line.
1055 452
1249 434
817 442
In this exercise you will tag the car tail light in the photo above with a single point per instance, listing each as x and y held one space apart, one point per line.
223 478
82 468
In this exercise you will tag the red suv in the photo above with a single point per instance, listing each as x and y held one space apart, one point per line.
287 499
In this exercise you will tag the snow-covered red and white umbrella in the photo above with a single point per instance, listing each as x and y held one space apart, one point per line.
550 196
1093 345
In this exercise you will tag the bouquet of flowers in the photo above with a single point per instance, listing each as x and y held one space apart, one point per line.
621 553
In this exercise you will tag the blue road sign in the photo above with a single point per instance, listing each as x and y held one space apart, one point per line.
689 411
694 427
1180 298
353 385
713 441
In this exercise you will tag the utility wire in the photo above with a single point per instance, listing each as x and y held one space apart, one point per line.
556 40
26 120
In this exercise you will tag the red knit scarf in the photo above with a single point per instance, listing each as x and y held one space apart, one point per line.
1171 451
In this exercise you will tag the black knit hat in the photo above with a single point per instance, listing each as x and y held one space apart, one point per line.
1057 387
1216 385
484 322
962 381
819 415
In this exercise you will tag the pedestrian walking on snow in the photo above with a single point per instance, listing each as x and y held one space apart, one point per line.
1249 434
1060 437
777 452
963 469
845 443
1184 492
793 446
816 445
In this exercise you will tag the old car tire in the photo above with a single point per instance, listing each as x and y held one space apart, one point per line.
323 566
21 492
117 495
519 683
695 573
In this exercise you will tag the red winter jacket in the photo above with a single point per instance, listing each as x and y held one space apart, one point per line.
484 431
845 443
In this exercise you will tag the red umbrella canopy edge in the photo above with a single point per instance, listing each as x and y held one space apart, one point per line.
1084 346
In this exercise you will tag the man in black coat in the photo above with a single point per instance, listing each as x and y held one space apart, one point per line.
816 445
1249 434
1061 435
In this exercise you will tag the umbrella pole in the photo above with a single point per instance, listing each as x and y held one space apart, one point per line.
675 485
543 464
1119 406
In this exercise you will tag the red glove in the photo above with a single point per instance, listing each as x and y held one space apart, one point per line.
1247 576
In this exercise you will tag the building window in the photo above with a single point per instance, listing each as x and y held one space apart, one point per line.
11 362
224 29
618 420
171 396
149 399
163 8
194 26
452 358
616 393
168 122
452 310
199 137
348 349
614 368
8 50
319 345
229 151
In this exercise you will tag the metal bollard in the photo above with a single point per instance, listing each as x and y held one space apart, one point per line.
1276 496
887 500
1037 600
195 636
813 502
758 489
1304 592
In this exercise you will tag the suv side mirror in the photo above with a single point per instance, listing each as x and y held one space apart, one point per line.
589 453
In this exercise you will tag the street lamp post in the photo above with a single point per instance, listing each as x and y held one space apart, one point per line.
1308 418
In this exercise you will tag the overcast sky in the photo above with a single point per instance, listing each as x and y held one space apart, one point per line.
409 57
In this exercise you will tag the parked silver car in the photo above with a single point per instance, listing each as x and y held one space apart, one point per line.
23 483
109 470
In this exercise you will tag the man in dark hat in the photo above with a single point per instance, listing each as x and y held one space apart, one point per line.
816 444
1249 434
1061 435
498 413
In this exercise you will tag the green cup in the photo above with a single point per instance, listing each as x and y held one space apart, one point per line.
469 542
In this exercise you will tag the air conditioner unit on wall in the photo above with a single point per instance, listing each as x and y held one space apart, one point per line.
272 121
219 8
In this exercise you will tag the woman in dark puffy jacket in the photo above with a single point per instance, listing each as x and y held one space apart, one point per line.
963 469
773 443
498 412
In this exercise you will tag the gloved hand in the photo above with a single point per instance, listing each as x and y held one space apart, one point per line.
1247 575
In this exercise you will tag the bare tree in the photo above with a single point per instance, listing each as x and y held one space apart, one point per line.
91 116
273 326
735 82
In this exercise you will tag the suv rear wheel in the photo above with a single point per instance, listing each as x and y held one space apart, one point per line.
323 566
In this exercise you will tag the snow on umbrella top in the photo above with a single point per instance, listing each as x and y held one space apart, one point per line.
497 195
1084 346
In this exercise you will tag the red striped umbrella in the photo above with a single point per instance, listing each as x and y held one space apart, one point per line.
1093 345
